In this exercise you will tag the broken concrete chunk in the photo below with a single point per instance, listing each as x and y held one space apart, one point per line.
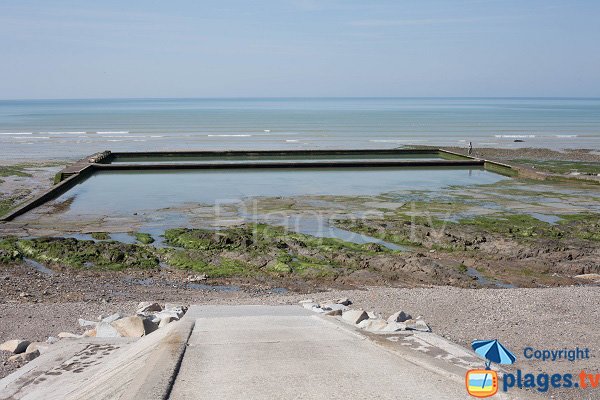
134 326
372 325
39 346
399 316
106 330
374 315
25 356
15 346
167 313
112 318
394 327
417 325
179 309
355 316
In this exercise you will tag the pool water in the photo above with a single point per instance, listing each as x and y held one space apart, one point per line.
127 192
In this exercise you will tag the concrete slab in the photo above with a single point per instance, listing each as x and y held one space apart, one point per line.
281 352
103 369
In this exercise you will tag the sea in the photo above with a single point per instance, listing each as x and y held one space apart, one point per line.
72 129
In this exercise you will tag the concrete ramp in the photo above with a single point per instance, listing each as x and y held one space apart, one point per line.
248 352
289 353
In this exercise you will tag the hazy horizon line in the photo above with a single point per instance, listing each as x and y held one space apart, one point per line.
304 97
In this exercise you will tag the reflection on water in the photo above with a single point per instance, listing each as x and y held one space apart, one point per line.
127 192
483 281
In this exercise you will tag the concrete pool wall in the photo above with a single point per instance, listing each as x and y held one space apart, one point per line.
270 159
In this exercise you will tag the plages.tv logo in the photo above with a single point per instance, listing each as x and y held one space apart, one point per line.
483 383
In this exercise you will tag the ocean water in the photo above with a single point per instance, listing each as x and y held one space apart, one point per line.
71 129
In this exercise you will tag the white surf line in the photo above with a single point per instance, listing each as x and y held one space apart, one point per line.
64 133
241 135
515 136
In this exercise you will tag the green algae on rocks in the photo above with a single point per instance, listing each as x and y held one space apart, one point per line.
100 235
144 238
75 253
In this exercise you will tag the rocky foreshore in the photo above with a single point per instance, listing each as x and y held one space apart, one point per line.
149 317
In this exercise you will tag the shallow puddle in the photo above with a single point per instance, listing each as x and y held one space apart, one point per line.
483 281
37 266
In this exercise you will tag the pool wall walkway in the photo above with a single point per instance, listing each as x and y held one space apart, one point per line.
82 169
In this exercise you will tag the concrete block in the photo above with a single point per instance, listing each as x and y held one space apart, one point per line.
354 316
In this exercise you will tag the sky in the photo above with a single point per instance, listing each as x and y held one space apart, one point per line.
299 48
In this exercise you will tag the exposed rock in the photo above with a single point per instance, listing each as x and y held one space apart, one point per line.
147 306
134 326
591 277
89 333
37 346
399 316
52 339
333 307
355 316
394 327
197 278
156 318
15 346
344 301
374 315
105 329
173 306
417 325
372 325
68 335
334 313
178 309
24 356
309 306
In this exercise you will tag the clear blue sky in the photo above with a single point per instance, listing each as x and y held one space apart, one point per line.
205 48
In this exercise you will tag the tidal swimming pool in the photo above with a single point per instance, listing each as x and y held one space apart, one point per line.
127 192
